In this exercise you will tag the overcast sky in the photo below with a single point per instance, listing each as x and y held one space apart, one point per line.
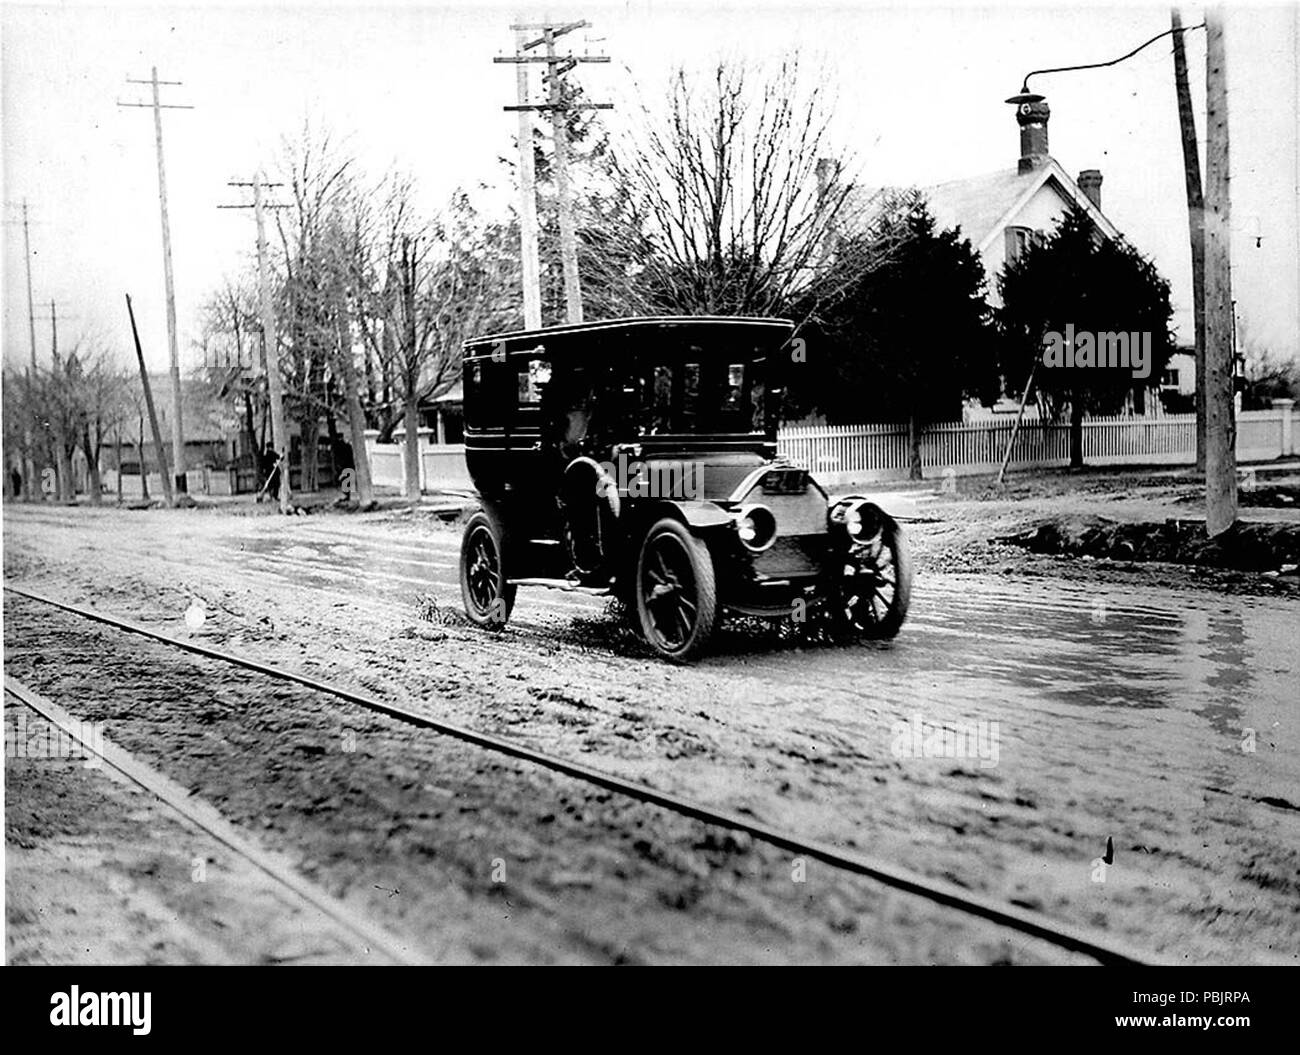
412 85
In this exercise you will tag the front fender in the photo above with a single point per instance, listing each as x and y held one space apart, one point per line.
697 515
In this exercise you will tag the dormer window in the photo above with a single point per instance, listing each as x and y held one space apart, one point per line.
1019 239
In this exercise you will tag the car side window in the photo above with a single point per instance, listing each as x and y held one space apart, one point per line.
758 406
483 392
692 396
530 378
733 394
659 419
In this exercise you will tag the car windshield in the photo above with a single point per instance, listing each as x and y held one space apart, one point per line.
692 390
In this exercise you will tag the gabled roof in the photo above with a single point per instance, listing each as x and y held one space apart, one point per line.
983 206
200 408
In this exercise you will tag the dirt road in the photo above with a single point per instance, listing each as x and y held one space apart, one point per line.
1162 720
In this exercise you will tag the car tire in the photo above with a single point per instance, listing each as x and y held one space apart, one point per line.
873 602
676 592
487 597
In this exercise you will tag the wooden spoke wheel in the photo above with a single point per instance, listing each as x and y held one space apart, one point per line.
874 586
487 596
676 595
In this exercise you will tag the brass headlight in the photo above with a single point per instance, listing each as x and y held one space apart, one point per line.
861 520
756 527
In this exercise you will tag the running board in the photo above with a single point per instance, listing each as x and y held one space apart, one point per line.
562 584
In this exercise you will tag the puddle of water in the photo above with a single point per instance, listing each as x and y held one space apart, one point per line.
357 571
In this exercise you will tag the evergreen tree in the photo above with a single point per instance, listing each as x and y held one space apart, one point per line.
908 341
1076 277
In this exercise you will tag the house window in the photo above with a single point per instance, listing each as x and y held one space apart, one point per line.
1018 240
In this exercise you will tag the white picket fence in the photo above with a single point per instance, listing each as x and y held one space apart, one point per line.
840 453
442 465
843 453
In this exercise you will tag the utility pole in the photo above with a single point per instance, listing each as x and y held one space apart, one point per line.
55 316
178 431
159 450
29 462
270 339
30 488
529 266
31 308
557 66
568 237
29 465
27 259
1196 223
1220 426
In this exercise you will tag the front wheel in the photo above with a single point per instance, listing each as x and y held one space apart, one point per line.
676 595
873 588
487 596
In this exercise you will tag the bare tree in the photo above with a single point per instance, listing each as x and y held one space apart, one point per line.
56 414
421 288
344 240
730 203
100 407
318 171
374 300
1266 375
229 327
234 358
134 414
72 404
17 423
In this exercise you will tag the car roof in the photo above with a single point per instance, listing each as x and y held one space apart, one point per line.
637 326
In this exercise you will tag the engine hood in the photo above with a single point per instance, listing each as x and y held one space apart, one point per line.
708 475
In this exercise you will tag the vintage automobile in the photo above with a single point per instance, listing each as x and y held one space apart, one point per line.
638 457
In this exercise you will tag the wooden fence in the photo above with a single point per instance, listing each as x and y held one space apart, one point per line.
842 453
839 453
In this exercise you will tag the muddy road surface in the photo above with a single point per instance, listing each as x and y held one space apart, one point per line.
1016 725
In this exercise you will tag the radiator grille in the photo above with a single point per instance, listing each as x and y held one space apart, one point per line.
792 555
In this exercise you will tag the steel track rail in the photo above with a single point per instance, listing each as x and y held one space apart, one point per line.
1061 935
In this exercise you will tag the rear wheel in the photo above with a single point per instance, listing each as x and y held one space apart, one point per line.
483 588
676 595
874 587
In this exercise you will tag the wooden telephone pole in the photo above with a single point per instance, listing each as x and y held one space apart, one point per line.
1196 223
27 259
31 308
530 268
557 66
29 459
178 431
31 488
270 338
1220 426
160 451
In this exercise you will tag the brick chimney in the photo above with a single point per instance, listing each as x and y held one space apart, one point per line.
1090 183
1032 117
